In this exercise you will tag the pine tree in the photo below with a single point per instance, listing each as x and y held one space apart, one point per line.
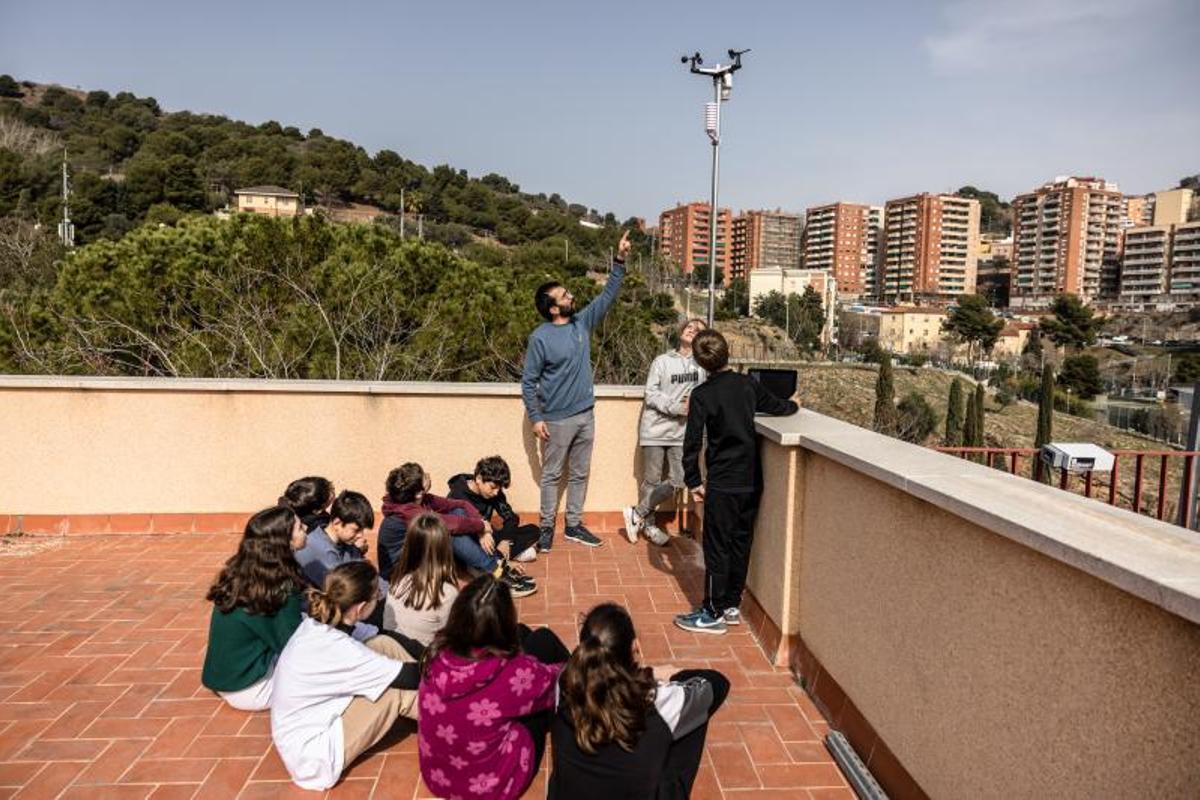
885 398
1045 423
954 415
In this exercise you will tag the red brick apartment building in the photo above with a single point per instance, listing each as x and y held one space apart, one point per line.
843 239
683 237
930 248
1067 237
765 240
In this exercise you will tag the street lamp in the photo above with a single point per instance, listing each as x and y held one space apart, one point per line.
722 80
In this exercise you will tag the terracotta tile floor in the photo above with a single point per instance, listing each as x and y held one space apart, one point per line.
101 642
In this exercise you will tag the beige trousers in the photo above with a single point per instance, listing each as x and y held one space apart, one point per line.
364 722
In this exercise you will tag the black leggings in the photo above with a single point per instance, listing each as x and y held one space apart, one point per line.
544 645
683 758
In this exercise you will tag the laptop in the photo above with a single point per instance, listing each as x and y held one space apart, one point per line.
779 382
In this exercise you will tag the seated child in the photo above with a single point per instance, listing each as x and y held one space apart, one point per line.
256 607
424 583
618 732
309 498
486 697
334 695
485 490
338 541
408 495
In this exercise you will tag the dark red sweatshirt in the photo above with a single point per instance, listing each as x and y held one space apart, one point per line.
459 516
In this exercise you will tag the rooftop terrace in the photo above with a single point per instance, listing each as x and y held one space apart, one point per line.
972 633
103 638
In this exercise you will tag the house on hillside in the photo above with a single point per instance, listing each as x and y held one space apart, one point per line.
270 201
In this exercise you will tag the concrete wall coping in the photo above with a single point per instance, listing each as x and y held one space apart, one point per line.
272 386
1153 560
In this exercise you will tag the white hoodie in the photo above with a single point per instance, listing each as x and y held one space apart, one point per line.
672 378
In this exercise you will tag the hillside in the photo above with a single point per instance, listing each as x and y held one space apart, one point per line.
131 160
847 392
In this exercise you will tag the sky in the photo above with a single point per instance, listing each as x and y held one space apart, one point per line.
855 101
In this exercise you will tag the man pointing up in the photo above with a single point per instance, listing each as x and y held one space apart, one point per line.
556 386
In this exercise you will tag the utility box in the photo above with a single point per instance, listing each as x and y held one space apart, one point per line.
1077 457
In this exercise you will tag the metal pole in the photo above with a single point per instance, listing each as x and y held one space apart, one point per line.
713 212
1188 490
402 210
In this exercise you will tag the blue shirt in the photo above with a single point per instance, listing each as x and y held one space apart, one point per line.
557 380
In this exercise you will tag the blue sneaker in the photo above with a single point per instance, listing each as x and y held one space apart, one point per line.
700 621
580 534
546 540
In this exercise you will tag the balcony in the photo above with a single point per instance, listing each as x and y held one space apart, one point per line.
913 594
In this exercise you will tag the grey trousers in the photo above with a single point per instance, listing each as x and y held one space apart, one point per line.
655 490
570 446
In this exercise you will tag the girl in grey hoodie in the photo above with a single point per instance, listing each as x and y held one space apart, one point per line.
673 376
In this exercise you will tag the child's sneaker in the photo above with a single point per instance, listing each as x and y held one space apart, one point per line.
700 621
633 524
657 535
580 534
546 542
520 587
732 616
526 555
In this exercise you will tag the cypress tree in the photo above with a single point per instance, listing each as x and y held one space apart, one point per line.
885 398
969 423
1045 423
954 415
980 397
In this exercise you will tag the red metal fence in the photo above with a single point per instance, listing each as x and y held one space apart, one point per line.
1116 488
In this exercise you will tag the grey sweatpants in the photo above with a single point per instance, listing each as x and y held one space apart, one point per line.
570 445
655 490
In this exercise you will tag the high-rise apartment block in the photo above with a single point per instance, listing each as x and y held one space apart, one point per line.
843 238
1160 265
684 237
764 240
930 248
1067 238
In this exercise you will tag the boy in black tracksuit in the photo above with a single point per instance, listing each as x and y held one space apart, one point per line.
723 408
485 490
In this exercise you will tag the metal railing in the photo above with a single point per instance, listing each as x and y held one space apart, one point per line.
1117 488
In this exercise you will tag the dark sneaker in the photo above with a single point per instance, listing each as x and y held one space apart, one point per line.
580 534
700 621
519 588
515 576
546 542
732 616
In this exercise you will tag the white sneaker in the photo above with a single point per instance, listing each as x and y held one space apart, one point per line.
526 555
633 524
733 616
657 535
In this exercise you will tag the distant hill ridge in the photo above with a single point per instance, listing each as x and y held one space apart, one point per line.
131 161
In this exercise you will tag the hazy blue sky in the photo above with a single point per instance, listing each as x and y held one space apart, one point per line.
857 101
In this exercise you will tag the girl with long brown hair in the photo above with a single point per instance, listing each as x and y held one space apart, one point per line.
424 582
619 732
256 607
334 695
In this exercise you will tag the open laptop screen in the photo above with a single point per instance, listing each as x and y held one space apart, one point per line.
779 382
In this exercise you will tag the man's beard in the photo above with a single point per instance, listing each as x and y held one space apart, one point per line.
566 312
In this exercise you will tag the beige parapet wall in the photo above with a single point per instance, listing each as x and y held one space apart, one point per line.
132 446
1003 639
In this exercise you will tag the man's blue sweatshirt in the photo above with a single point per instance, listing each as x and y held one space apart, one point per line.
557 380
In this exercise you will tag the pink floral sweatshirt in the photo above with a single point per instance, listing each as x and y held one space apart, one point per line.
469 740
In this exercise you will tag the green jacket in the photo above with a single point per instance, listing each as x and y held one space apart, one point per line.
242 646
